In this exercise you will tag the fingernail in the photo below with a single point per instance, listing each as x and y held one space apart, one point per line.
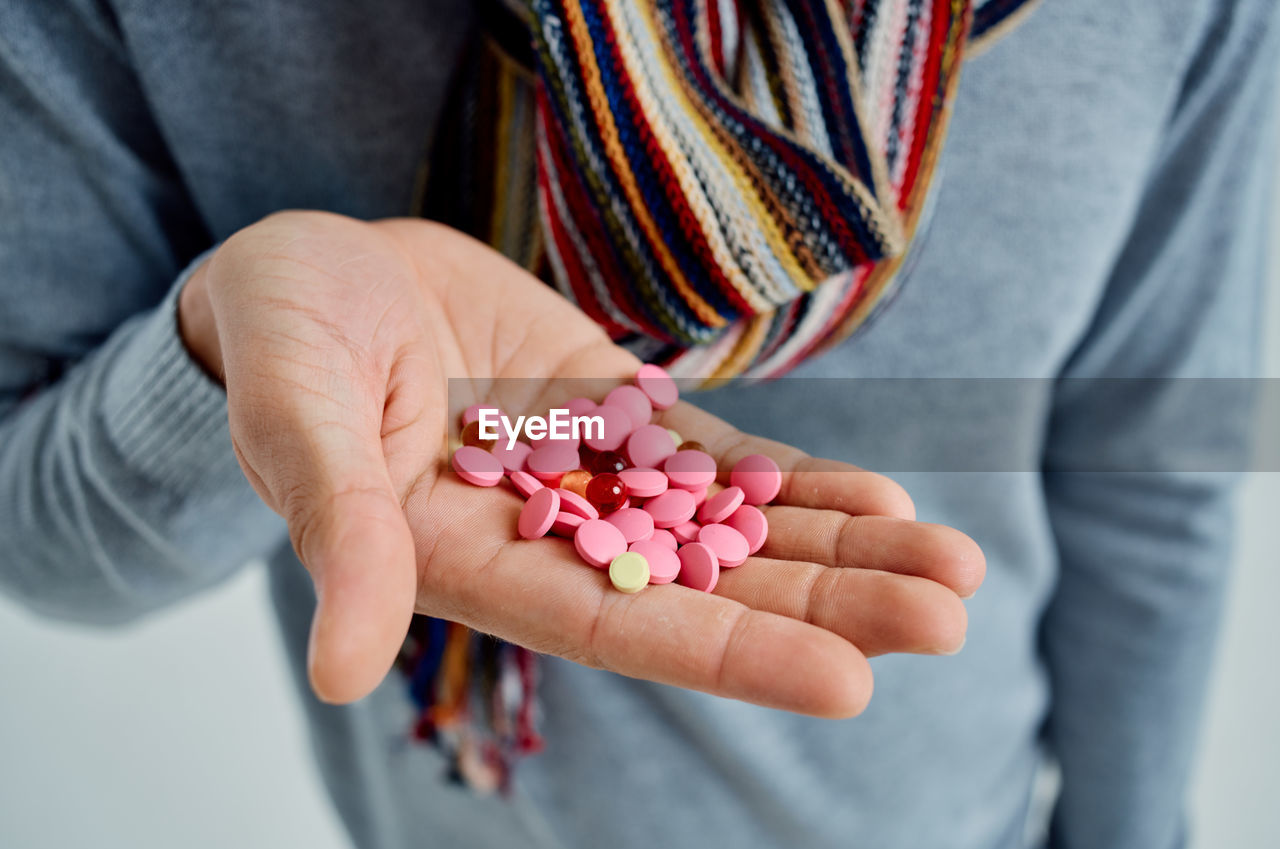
957 649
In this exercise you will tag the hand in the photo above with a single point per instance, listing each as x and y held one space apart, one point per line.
336 339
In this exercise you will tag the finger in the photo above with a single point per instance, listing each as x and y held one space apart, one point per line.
305 412
541 595
833 538
331 485
806 481
879 612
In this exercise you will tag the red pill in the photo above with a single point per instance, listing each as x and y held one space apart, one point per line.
607 492
607 463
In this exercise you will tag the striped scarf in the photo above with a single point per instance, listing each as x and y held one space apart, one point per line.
726 186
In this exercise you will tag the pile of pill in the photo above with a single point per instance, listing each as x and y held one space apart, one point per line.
635 498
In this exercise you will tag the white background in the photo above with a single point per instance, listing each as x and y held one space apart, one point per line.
183 731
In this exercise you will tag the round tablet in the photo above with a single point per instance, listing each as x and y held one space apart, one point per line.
658 386
671 508
598 542
699 496
690 469
477 466
538 514
616 427
472 413
551 460
580 406
644 483
686 533
634 523
513 458
566 524
572 502
664 565
720 506
759 478
649 446
629 572
729 545
752 524
525 483
664 537
699 567
635 402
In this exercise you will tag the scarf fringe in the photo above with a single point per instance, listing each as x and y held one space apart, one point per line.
475 697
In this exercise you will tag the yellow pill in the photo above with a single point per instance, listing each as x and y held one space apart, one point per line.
677 438
629 572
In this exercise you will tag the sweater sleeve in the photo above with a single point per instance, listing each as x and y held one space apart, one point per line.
1139 472
119 489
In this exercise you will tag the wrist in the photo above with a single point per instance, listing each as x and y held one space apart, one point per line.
196 324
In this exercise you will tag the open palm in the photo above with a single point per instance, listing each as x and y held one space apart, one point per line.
338 340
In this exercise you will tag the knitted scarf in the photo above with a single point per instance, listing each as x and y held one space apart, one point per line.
726 186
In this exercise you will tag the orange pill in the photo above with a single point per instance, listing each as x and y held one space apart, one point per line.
576 481
471 436
690 445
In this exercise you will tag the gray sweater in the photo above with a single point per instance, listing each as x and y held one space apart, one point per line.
1099 214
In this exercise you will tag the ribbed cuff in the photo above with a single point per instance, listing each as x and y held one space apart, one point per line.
166 416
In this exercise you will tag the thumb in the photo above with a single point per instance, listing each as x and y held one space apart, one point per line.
300 305
319 463
352 535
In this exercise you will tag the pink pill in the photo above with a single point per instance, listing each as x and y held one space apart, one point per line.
671 508
538 514
720 506
512 459
658 385
572 502
472 413
686 533
551 460
664 537
635 402
525 483
759 478
649 446
598 542
699 496
664 565
634 523
699 567
644 483
545 439
729 545
617 427
690 469
580 406
566 524
752 524
477 466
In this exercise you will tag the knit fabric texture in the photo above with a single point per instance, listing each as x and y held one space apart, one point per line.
726 186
